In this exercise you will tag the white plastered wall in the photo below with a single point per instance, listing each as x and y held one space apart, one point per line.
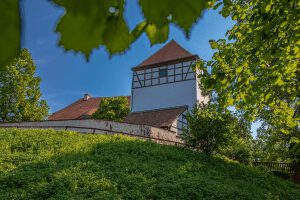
200 97
164 96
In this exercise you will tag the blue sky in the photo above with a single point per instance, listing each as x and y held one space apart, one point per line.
67 76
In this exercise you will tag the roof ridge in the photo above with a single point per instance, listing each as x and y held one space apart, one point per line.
171 51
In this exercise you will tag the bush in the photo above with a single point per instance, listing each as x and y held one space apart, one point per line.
282 174
237 149
208 129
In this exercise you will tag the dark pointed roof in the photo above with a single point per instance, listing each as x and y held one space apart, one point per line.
161 118
170 52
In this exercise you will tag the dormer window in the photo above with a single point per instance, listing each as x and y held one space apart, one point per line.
163 72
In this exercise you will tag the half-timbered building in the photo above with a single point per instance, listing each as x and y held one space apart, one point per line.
166 83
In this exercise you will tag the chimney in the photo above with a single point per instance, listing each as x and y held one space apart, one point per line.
86 97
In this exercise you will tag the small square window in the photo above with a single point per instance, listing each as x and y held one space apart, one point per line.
163 73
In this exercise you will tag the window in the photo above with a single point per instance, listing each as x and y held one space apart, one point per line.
163 73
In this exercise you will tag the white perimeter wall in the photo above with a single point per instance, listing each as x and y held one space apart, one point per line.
101 127
165 96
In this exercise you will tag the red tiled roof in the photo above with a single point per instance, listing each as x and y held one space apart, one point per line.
169 52
162 118
79 109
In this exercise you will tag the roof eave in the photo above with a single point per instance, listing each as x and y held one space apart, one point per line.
174 61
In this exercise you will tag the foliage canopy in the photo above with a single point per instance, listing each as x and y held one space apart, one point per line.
256 69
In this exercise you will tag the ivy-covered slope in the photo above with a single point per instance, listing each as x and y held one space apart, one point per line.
40 164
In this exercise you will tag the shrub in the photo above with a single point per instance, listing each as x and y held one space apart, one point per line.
281 174
238 148
113 109
208 129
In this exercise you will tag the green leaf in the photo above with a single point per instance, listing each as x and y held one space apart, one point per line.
10 26
92 23
225 11
157 35
154 34
217 5
88 24
183 13
239 69
82 36
268 8
213 44
139 30
117 38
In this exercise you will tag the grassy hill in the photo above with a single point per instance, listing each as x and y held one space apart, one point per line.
40 164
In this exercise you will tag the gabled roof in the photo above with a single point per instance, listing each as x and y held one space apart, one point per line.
79 109
162 118
170 52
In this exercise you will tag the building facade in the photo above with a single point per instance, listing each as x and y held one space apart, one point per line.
166 81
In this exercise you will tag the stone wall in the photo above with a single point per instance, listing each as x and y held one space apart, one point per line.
103 127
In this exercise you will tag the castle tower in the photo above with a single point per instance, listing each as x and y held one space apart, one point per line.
165 82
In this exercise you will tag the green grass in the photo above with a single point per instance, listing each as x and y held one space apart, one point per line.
40 164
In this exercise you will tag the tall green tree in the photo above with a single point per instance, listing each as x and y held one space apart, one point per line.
113 109
20 96
256 68
271 145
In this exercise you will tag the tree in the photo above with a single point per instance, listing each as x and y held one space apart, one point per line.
113 109
240 145
272 145
208 129
20 91
256 69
